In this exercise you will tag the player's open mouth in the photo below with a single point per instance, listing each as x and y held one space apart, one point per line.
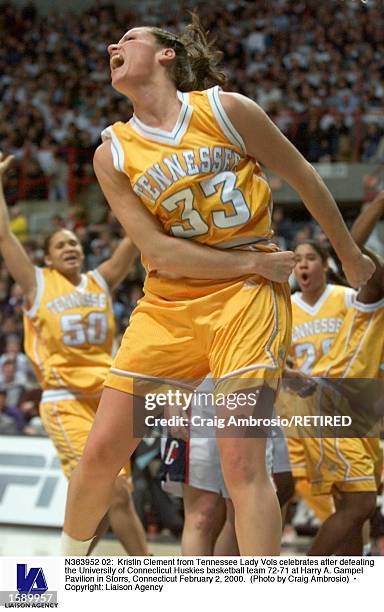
304 277
117 61
70 258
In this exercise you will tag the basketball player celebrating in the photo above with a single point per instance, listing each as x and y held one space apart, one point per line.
187 157
69 331
350 468
318 310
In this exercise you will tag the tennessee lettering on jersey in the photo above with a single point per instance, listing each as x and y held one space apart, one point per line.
318 326
197 179
69 331
179 165
76 299
315 327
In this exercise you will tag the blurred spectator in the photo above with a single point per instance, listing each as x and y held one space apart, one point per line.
18 223
13 383
371 141
13 352
7 423
29 407
58 178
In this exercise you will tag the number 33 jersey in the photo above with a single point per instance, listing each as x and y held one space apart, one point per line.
197 179
69 331
314 328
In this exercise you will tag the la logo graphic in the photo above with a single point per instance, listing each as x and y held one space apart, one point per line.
32 582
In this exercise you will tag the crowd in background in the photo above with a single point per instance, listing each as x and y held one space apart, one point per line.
316 68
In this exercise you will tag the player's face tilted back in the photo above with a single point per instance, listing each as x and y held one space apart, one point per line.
310 269
134 58
64 253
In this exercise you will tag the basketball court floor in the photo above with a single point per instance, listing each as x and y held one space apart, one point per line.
36 542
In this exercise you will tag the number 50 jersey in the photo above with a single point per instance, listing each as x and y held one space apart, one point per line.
197 179
69 331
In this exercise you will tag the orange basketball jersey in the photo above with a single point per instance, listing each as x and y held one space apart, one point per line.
198 180
358 351
69 331
315 327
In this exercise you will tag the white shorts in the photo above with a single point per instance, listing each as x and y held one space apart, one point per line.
197 462
280 455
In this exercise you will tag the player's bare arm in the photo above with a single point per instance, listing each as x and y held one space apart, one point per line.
116 268
361 230
368 217
16 259
184 258
265 142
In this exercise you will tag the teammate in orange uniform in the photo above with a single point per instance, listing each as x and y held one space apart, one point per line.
187 157
351 468
69 331
318 311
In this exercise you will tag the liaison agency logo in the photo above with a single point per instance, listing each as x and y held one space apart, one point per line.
28 585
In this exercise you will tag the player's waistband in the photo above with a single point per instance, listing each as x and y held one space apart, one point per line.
56 395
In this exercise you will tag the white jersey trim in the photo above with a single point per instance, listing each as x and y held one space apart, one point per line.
116 148
171 381
368 307
253 366
350 296
223 120
173 137
56 395
312 310
82 284
39 275
99 278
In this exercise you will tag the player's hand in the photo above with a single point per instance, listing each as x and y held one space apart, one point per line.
277 266
297 382
358 270
5 162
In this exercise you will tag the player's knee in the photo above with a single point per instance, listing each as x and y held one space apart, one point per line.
206 514
99 458
121 497
240 472
361 506
367 505
204 521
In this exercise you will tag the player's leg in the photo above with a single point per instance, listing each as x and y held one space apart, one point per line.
124 520
226 543
257 510
204 518
281 468
109 447
68 423
246 357
353 509
322 505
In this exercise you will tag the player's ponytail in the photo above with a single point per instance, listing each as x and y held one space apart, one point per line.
195 65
